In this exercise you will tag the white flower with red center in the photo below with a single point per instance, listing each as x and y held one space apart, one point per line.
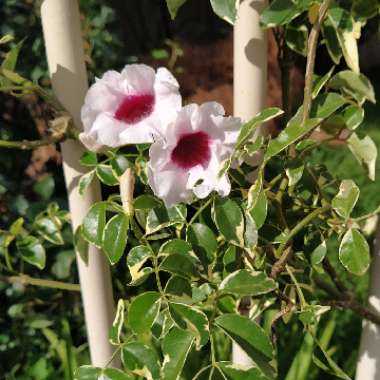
188 160
129 107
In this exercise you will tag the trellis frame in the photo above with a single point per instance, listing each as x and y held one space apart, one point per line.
64 49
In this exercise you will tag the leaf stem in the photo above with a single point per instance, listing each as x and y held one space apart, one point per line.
310 63
200 210
31 144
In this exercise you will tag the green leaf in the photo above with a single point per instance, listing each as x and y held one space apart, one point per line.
226 9
250 233
191 319
89 159
354 252
296 38
347 35
175 246
180 265
294 171
141 360
87 372
62 264
32 251
143 311
175 348
357 85
178 286
115 374
365 151
173 6
229 220
344 202
293 131
119 165
145 202
136 258
259 211
6 39
353 116
203 240
94 223
244 282
49 230
10 60
330 36
281 12
365 8
16 227
115 237
320 81
247 129
251 338
233 371
81 244
319 253
105 174
85 181
161 217
45 187
117 323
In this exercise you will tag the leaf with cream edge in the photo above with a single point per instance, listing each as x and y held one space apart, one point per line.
293 131
226 9
229 220
175 348
281 12
233 371
344 202
136 259
354 252
244 282
117 323
115 374
248 128
32 251
143 311
161 217
191 319
365 151
251 338
141 360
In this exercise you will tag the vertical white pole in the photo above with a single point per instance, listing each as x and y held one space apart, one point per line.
250 82
369 353
64 48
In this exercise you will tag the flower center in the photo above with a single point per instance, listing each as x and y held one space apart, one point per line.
134 108
192 149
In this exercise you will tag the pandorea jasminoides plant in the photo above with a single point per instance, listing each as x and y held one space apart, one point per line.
187 160
128 107
205 251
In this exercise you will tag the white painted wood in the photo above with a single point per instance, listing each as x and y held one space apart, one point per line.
369 353
250 82
64 48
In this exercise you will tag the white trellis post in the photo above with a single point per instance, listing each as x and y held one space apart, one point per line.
64 48
250 81
369 353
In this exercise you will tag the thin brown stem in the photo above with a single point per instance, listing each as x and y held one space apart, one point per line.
310 63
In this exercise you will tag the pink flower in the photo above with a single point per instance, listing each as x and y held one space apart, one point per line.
129 107
188 160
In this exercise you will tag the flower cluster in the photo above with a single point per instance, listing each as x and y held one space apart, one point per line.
139 106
